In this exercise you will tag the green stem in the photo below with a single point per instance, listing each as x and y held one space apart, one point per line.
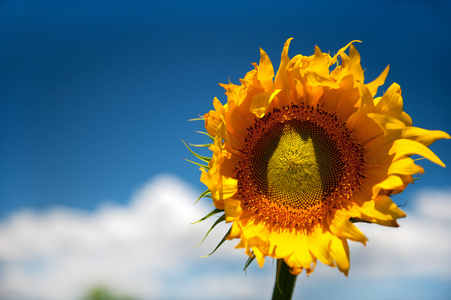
285 282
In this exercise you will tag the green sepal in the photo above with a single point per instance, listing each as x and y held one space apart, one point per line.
200 145
202 158
248 262
405 204
197 119
220 243
204 194
201 132
212 213
221 219
358 220
198 164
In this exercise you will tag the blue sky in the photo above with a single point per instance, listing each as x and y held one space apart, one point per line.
95 96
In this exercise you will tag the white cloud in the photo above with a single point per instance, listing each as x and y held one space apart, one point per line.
421 245
146 249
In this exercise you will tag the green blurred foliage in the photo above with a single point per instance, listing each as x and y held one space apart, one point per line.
103 293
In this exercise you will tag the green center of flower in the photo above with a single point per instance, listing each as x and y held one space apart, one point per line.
296 164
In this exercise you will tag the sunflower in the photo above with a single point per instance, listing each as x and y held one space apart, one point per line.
298 158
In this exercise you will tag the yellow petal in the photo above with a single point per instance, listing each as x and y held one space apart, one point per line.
354 64
340 253
265 71
423 136
392 182
283 80
362 127
214 117
320 65
232 209
212 120
235 232
334 59
225 188
405 166
320 246
381 210
391 102
261 102
257 245
406 118
218 106
387 123
365 96
404 147
346 104
221 187
315 79
206 179
376 83
283 63
301 255
342 227
294 248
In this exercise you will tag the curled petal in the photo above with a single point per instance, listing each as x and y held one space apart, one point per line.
423 136
405 147
376 83
381 211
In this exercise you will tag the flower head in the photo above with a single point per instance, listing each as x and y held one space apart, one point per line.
296 159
